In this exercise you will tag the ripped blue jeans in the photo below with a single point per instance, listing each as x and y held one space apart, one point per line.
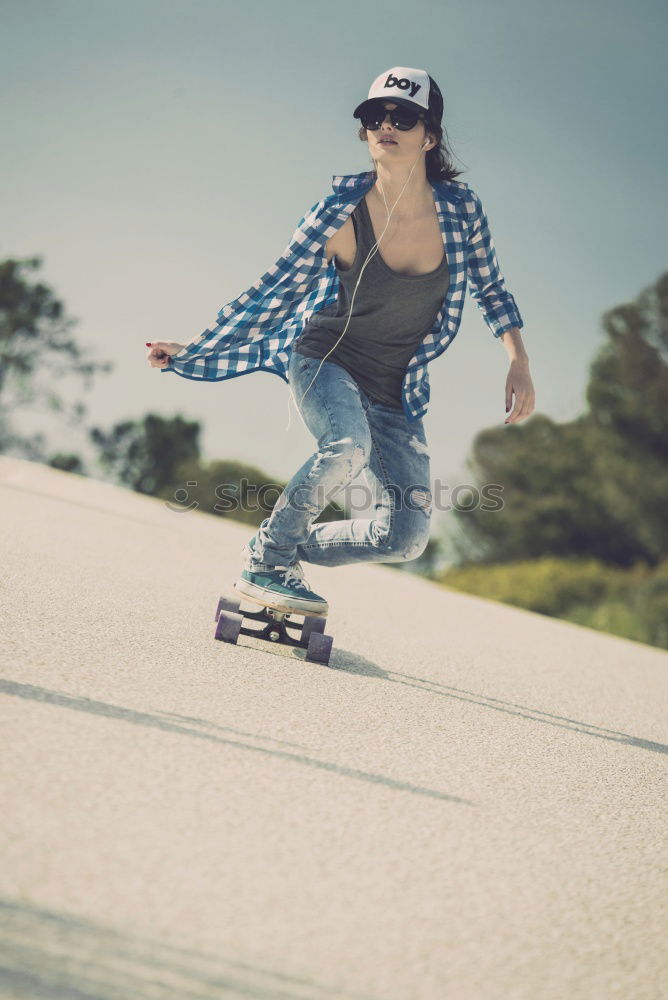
353 434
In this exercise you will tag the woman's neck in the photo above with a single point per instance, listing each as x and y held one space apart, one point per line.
417 194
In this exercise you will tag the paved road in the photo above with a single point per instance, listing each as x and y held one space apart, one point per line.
469 803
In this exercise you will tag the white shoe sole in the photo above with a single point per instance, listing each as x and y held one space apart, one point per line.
271 599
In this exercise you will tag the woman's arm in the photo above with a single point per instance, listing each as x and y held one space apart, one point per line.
500 311
518 380
486 283
244 322
512 341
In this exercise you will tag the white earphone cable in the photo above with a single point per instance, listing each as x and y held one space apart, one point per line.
374 249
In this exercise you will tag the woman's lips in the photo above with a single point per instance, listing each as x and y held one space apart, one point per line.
386 142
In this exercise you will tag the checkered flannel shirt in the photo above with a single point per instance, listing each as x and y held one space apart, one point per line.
255 331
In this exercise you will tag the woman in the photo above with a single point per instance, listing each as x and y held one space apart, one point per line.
357 365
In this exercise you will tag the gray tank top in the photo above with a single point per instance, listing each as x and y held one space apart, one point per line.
391 316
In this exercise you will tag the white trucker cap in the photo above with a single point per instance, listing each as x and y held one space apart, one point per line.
405 86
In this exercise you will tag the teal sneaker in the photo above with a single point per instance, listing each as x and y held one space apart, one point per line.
281 587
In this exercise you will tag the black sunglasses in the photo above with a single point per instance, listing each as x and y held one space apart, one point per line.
404 119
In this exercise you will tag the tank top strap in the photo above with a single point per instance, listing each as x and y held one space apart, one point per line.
364 229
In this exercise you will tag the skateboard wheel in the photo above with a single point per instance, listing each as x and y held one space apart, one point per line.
229 626
227 604
312 624
319 647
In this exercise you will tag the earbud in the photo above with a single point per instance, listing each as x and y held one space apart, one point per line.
425 145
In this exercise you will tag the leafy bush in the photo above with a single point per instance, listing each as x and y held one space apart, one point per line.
632 603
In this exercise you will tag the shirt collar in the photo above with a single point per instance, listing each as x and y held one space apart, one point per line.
355 185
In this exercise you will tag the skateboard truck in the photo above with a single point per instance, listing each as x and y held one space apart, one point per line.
273 632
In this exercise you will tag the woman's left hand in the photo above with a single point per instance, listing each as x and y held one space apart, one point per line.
519 382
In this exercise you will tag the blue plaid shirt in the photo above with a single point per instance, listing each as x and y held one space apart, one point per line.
255 331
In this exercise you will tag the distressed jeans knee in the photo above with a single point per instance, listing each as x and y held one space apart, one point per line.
353 434
322 477
417 544
346 454
334 466
415 527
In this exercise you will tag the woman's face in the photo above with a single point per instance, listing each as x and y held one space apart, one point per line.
388 143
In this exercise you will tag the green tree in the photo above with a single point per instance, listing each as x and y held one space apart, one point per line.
67 462
628 386
36 349
145 454
595 486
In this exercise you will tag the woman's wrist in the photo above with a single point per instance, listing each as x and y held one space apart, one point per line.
512 341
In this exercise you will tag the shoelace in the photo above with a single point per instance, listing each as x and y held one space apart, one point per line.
295 574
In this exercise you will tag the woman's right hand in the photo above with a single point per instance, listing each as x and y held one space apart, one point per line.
161 351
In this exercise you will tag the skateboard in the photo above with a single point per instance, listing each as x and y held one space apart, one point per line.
273 628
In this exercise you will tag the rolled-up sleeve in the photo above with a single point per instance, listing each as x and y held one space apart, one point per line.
486 283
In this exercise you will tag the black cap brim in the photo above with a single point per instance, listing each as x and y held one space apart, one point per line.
411 105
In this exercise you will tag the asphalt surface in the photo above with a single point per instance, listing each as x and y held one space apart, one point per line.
467 803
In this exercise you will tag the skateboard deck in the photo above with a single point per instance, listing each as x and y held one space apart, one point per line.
297 634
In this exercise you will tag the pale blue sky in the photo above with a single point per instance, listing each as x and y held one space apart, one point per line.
159 155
